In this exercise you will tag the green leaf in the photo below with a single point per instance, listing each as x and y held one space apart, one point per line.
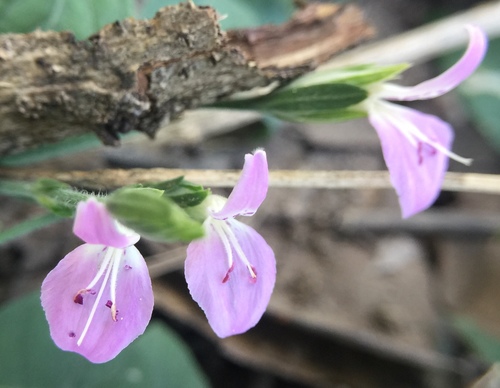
21 16
62 148
29 358
58 197
238 13
483 343
17 189
307 103
361 75
27 226
153 215
82 17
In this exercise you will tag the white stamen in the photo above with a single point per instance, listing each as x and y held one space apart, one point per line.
410 128
111 252
102 268
219 228
239 251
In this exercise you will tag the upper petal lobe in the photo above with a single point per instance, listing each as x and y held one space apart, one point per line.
94 225
251 189
472 58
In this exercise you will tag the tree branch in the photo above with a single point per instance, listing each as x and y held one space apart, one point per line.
136 74
408 47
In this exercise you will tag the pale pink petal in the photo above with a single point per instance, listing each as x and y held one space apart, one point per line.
251 189
236 305
417 170
450 79
94 225
105 338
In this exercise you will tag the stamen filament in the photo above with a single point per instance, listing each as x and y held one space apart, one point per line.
109 254
220 229
102 268
412 130
115 264
239 251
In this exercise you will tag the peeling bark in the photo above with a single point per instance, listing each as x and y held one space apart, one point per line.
136 74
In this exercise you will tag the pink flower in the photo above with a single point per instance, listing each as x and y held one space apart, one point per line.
99 298
416 146
232 270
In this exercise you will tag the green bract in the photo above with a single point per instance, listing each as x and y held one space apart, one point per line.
323 95
307 103
151 214
183 193
361 75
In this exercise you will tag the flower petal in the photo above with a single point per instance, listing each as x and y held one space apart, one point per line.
251 189
105 338
236 305
417 170
94 225
478 43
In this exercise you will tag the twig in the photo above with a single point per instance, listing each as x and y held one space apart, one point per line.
140 74
109 179
440 37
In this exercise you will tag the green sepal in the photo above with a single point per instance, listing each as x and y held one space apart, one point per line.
183 193
153 215
170 184
360 75
60 198
307 101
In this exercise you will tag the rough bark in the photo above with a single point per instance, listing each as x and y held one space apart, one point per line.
136 74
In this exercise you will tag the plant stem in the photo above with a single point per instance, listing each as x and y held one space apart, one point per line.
108 179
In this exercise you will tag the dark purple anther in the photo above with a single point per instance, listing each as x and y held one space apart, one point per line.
253 275
109 304
72 334
78 298
226 278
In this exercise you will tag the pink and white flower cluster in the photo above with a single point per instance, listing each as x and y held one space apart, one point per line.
99 298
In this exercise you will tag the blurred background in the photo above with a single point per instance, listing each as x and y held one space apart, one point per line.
363 299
